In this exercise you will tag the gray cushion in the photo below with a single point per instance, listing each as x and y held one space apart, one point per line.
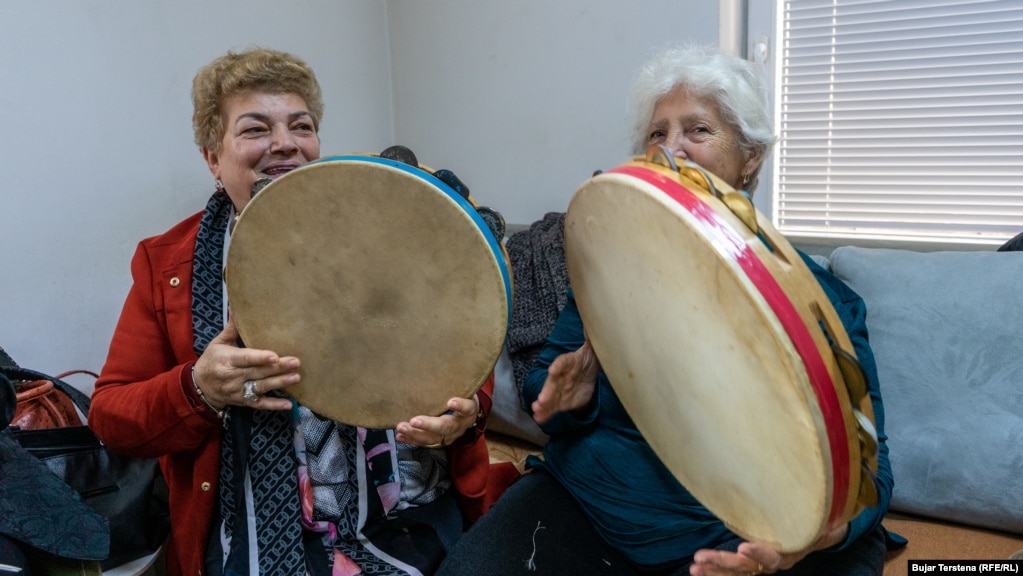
506 414
945 328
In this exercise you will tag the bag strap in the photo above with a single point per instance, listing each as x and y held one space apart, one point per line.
77 396
63 375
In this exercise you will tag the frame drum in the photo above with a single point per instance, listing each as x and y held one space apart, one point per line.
384 282
717 338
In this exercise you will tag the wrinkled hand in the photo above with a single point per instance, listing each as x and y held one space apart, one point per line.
571 380
438 431
224 368
753 558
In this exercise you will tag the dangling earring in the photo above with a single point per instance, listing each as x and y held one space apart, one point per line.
220 185
745 179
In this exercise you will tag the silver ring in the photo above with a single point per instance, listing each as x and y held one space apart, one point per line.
249 393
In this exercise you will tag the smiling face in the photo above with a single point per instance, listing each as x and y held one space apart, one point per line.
691 128
265 135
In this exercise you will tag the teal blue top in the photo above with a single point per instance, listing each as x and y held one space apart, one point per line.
635 503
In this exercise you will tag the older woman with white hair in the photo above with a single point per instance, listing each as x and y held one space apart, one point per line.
707 85
601 502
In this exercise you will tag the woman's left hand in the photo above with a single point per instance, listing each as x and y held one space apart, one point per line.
438 431
748 559
753 558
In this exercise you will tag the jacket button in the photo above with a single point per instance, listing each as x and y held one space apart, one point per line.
205 486
174 282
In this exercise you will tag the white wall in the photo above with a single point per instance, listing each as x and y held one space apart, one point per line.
97 150
523 99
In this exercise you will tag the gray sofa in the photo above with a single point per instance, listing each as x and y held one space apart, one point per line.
947 332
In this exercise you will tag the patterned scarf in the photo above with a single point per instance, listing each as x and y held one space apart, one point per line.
350 491
322 493
256 440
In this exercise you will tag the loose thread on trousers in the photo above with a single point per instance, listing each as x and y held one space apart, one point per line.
530 564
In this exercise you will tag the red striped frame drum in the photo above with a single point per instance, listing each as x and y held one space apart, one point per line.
386 284
723 348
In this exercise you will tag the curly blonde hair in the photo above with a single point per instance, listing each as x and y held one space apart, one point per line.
254 70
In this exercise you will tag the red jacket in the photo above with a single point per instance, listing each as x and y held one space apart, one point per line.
142 405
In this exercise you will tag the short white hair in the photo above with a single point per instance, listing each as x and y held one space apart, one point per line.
706 72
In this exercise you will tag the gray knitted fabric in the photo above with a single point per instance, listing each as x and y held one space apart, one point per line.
540 278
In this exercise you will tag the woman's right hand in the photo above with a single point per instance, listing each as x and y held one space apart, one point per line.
571 380
224 368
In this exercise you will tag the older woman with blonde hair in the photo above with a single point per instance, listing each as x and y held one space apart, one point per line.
259 484
601 502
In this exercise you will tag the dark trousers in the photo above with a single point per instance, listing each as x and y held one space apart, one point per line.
12 555
538 529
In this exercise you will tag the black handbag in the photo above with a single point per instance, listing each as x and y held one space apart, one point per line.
44 525
129 492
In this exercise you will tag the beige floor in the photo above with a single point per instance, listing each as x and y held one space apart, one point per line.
931 540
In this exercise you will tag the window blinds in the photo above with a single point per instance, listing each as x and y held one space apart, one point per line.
900 119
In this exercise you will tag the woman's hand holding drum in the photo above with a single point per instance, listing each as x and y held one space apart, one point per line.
224 371
754 558
439 431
